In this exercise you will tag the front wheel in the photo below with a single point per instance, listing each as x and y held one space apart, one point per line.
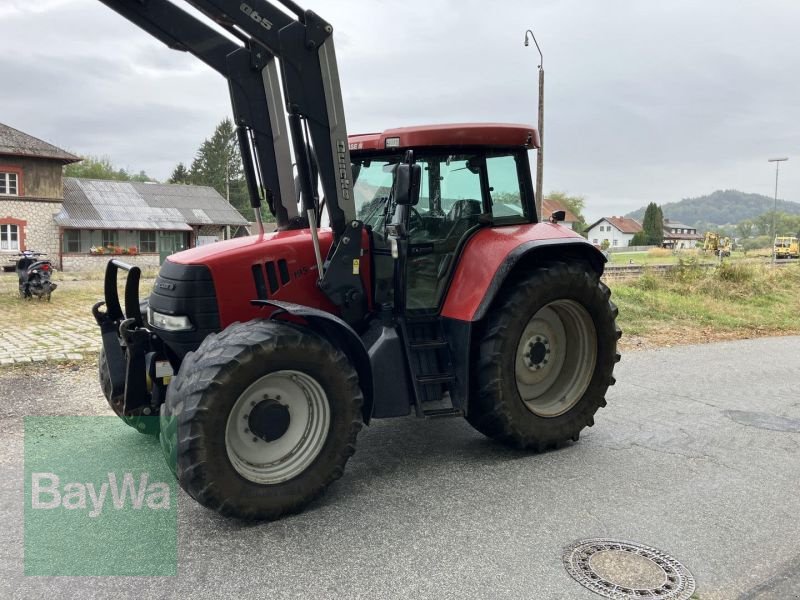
145 425
261 419
546 359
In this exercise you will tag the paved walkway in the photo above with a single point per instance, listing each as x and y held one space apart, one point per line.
70 340
63 329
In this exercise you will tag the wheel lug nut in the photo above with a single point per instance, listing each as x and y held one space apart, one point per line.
255 439
247 431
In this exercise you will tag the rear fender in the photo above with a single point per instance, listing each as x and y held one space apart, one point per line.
340 334
484 268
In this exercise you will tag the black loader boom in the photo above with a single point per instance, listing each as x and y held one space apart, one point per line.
276 61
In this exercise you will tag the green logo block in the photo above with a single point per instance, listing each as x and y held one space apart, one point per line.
99 499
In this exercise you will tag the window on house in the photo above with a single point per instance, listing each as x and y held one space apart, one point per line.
110 237
615 242
594 241
72 240
8 184
9 237
147 241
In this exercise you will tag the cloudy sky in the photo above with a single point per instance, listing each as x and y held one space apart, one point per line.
646 100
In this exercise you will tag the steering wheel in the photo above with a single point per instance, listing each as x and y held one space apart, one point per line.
414 219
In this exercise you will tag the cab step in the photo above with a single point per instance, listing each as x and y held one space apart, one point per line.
435 378
428 345
437 413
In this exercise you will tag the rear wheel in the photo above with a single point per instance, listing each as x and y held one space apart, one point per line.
261 419
546 359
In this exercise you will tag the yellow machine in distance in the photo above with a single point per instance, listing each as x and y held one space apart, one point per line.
787 247
719 246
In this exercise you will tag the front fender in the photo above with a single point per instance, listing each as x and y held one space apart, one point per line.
492 254
340 334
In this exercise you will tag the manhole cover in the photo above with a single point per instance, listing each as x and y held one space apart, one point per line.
621 570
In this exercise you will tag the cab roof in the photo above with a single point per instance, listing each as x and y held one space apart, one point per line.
456 134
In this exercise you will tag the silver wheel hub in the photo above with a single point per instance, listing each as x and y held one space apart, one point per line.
556 357
537 353
277 427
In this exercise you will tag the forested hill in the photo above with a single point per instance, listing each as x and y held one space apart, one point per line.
723 207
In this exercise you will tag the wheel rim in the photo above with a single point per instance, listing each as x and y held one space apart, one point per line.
295 399
555 359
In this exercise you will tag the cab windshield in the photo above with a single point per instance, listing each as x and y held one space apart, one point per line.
484 183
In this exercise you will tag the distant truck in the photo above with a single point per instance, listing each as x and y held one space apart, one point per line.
787 247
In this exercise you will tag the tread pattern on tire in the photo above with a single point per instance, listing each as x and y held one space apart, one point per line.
209 368
491 411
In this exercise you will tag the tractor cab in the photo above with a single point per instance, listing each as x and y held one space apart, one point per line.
470 176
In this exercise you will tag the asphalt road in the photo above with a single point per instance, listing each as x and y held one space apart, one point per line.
697 454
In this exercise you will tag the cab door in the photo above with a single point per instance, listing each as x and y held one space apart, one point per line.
460 192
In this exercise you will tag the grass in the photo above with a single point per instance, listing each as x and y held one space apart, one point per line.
693 304
737 299
29 326
662 256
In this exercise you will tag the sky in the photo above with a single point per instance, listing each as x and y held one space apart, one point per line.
645 101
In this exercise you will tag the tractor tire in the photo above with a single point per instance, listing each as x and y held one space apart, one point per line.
261 419
144 425
546 358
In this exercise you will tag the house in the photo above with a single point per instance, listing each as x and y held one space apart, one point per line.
80 222
613 231
147 221
679 236
549 206
31 193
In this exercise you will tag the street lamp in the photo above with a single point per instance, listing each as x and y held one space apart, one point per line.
540 153
777 162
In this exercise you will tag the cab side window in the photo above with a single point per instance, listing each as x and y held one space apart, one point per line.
505 189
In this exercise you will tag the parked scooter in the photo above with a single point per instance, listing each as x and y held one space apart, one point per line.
34 275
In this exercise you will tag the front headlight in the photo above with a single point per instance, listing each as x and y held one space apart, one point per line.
168 322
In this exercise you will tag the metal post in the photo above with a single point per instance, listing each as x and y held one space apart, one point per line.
540 152
777 162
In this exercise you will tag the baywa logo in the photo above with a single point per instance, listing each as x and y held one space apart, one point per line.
99 499
253 14
47 494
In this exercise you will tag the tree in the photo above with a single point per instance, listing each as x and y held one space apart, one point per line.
218 164
575 205
653 225
639 239
745 229
180 174
94 167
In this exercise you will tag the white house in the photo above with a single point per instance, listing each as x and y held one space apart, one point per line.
617 231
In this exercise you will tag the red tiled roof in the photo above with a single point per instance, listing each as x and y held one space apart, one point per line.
550 206
624 224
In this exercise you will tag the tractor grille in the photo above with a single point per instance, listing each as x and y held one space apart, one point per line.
186 290
269 277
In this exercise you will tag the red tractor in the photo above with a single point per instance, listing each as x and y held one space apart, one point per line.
433 287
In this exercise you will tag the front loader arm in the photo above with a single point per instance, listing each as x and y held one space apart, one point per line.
253 84
304 47
264 37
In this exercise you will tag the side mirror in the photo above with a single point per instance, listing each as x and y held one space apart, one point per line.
558 216
406 184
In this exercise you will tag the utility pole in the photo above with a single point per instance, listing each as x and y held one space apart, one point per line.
777 162
540 153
